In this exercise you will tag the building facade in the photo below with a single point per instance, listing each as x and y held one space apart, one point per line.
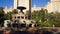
23 3
53 6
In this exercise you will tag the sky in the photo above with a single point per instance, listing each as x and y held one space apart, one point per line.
39 3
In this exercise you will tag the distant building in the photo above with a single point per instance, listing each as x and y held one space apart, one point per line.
52 6
6 9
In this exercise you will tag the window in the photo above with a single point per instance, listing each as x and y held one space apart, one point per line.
18 17
25 17
15 17
22 17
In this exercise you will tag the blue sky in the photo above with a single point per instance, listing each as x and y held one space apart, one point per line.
39 3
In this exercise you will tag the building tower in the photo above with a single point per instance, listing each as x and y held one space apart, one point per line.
23 3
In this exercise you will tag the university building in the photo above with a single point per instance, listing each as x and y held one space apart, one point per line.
53 6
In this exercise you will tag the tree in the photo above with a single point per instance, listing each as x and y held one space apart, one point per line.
46 24
1 15
39 15
14 11
7 16
54 18
1 12
35 15
42 15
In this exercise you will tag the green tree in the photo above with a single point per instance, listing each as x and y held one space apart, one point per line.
7 16
54 18
14 11
40 15
46 24
1 15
